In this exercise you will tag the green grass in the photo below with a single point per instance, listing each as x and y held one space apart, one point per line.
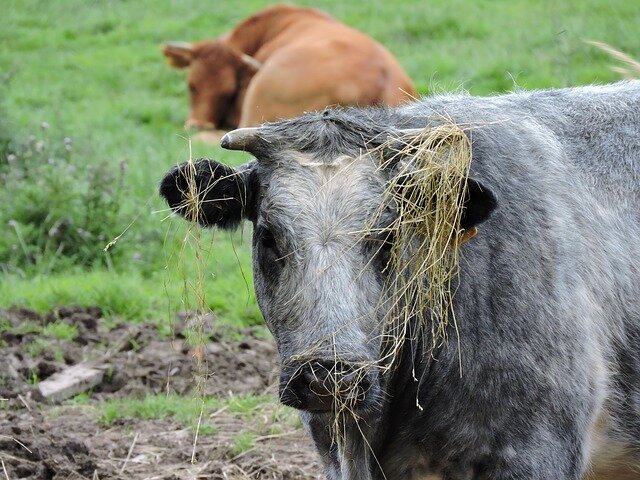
137 297
53 330
60 331
93 71
176 406
183 410
243 442
246 404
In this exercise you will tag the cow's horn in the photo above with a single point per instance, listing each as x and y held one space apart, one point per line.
245 139
179 45
252 62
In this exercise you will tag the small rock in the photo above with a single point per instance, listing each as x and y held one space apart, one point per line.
71 381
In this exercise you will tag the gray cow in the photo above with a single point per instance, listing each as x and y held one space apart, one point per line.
544 379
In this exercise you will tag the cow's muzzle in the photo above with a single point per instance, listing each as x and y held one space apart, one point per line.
323 386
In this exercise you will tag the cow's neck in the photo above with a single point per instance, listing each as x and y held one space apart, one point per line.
393 442
233 116
380 441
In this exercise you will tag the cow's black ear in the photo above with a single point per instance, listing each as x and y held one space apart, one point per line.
479 202
211 193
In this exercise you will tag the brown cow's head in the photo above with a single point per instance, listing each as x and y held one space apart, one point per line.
217 74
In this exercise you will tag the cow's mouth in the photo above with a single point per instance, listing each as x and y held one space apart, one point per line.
320 387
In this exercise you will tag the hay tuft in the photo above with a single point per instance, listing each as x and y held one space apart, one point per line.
629 69
430 168
193 289
427 193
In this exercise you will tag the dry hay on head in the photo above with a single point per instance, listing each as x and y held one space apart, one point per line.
427 193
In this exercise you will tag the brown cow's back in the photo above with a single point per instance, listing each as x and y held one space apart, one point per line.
311 61
308 61
347 46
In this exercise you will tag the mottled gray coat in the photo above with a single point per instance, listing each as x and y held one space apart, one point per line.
548 301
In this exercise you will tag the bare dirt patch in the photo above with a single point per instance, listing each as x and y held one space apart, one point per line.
39 440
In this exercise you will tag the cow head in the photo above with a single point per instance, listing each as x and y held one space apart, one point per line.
320 281
217 75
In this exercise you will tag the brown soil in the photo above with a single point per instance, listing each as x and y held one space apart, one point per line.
39 440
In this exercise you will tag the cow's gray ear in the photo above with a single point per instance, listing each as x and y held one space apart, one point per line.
211 193
479 202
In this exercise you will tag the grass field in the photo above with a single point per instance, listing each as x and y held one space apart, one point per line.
90 119
113 110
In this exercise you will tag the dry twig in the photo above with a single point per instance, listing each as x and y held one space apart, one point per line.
24 402
4 469
17 441
126 460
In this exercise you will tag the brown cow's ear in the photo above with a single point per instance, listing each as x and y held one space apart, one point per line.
179 54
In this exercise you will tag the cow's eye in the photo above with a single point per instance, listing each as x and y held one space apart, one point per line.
381 246
268 254
192 88
267 240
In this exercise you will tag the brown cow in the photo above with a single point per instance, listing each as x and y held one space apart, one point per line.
281 62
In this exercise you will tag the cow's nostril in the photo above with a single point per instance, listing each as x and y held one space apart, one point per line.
348 379
319 380
317 385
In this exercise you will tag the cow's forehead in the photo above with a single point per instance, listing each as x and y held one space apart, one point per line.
328 134
325 168
343 189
